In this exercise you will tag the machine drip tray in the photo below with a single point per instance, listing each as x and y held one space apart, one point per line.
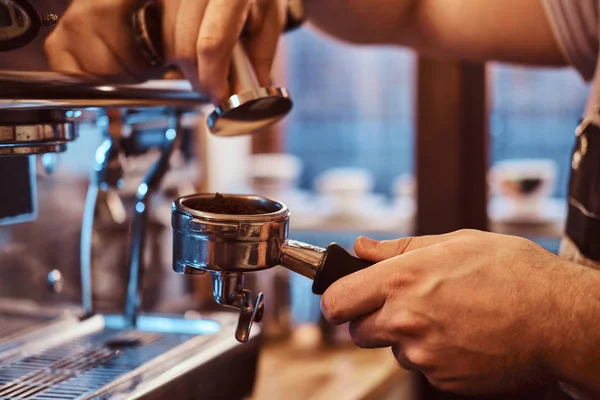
99 359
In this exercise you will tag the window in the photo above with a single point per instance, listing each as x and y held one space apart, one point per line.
353 107
534 113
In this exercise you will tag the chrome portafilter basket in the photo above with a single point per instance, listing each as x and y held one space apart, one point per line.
230 245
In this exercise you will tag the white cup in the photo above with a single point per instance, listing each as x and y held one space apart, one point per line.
524 182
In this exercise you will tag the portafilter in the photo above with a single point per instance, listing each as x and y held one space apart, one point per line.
253 237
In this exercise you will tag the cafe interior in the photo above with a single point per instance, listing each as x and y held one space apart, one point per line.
108 284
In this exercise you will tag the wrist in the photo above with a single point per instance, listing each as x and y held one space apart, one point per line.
574 347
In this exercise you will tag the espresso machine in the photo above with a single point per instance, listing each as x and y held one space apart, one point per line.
71 350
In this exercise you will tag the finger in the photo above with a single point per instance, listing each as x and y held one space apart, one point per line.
182 46
388 325
370 331
263 46
68 54
105 61
220 31
377 251
365 291
61 60
398 351
355 295
256 16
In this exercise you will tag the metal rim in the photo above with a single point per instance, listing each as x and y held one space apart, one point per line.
30 149
250 95
190 104
45 90
238 100
282 213
39 134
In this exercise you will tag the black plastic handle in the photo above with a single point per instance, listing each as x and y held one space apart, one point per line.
336 264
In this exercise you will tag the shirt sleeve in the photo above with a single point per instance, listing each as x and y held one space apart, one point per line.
575 26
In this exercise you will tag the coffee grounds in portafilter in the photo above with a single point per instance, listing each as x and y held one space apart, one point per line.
226 205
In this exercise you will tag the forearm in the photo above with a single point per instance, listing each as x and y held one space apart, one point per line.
500 30
576 358
362 21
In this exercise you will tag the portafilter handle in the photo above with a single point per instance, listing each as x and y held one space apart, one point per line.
323 266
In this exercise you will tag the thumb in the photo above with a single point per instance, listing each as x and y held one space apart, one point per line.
377 251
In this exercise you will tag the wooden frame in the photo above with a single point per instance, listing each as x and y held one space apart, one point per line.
451 146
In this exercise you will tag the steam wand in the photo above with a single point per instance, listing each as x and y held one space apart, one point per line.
108 174
144 192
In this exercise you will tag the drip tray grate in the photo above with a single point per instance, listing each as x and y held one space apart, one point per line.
81 367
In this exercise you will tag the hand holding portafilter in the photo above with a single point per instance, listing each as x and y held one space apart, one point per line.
229 245
251 109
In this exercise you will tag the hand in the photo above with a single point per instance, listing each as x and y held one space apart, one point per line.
477 313
96 38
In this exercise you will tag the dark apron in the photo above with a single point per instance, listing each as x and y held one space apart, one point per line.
582 241
583 223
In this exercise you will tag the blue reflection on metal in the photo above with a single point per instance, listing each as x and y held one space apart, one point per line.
140 207
143 189
102 152
166 324
170 134
74 114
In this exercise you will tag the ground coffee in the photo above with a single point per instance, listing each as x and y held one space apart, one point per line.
226 205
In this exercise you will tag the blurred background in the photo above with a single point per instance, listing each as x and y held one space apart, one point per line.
375 146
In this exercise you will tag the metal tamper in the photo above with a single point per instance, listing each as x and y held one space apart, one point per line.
250 110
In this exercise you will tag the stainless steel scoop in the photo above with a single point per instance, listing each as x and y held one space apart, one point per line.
228 246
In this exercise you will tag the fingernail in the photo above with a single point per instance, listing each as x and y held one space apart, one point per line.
323 308
367 243
326 310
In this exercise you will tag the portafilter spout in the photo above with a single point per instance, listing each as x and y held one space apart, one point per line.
255 239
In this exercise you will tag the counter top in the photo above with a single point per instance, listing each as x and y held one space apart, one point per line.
347 373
